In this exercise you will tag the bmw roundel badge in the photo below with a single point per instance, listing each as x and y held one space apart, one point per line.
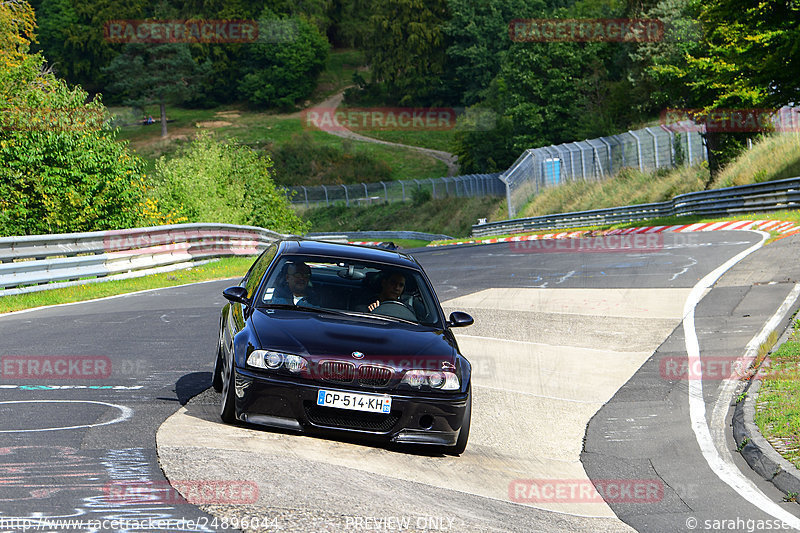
358 355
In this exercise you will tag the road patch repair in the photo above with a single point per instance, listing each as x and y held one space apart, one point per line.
541 370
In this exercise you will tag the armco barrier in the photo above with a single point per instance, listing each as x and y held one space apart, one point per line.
754 198
34 262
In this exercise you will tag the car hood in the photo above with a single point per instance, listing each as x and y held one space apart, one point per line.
323 336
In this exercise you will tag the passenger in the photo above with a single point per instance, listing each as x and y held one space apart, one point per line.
297 290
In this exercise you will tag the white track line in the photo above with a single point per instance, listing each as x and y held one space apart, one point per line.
724 470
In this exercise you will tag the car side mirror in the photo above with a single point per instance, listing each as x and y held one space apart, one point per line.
236 294
459 319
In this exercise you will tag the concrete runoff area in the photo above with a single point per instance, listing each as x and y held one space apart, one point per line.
534 392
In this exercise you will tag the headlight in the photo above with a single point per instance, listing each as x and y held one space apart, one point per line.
269 360
432 378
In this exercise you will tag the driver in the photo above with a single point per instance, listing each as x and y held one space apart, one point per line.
392 287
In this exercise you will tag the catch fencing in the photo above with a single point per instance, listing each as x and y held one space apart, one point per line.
598 159
677 144
396 191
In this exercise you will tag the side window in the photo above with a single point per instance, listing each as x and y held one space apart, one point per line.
258 269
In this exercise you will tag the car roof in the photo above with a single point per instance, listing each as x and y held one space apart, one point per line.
347 251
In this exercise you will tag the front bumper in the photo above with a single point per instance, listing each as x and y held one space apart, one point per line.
280 402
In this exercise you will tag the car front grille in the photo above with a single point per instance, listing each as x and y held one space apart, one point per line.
374 376
337 371
343 419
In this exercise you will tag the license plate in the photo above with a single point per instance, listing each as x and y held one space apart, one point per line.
356 402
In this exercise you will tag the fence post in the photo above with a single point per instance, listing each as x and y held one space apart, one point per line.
638 150
610 164
689 145
433 185
366 193
671 145
327 203
655 146
305 192
346 196
385 193
403 185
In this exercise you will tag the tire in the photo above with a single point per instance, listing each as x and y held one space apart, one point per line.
463 434
227 411
216 377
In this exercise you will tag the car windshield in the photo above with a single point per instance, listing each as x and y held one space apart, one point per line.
356 288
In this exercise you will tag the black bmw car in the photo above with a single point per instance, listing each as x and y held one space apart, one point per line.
331 338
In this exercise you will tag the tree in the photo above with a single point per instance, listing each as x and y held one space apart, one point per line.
161 73
479 37
405 46
17 31
283 72
747 59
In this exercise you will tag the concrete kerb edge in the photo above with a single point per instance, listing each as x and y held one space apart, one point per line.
754 448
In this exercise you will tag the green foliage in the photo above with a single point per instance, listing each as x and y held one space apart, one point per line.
17 31
406 46
419 196
303 161
73 39
282 73
451 216
220 181
61 169
478 33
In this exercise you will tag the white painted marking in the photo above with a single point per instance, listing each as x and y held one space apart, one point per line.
125 414
685 268
725 471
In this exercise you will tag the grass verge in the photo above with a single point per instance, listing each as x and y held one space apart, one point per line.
778 404
229 267
450 216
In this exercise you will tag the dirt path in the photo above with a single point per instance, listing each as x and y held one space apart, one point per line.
333 102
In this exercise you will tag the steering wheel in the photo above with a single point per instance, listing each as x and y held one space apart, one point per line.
395 309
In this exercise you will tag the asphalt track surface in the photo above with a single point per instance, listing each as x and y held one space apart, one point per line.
159 348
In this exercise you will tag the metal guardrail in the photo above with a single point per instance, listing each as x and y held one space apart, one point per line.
379 235
33 263
753 198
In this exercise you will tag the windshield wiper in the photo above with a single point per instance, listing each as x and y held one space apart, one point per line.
324 310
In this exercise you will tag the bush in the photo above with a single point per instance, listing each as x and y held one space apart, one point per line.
305 162
220 181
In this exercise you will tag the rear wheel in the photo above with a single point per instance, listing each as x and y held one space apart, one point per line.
463 435
227 410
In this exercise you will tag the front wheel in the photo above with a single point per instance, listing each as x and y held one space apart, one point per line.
463 435
227 410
